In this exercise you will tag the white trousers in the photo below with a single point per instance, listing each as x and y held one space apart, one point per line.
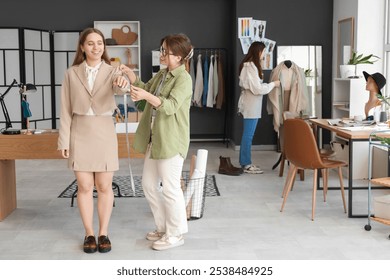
166 201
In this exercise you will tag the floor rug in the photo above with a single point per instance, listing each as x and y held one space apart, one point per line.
122 187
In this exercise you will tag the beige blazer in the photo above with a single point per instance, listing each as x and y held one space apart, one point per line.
298 97
77 98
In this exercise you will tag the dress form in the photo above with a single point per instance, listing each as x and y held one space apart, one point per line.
287 74
372 102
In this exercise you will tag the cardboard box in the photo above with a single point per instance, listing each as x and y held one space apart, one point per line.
382 207
132 117
380 162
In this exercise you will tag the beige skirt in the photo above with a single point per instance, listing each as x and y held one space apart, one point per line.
93 144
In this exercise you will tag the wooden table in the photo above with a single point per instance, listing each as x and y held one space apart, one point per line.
351 137
35 146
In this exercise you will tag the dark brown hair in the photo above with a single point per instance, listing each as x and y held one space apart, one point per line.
253 55
80 55
180 45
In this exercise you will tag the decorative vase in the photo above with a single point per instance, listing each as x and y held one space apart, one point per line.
347 71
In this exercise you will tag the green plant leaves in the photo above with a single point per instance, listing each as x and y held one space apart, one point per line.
361 59
382 139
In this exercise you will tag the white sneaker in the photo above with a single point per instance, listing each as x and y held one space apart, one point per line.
252 169
168 242
154 235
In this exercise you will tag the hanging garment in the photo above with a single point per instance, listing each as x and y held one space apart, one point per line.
198 89
215 79
221 84
205 80
192 74
26 109
210 90
298 101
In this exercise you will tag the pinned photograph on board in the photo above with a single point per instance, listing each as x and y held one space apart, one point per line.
258 29
245 44
269 45
267 63
244 27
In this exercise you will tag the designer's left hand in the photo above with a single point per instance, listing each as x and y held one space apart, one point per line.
137 93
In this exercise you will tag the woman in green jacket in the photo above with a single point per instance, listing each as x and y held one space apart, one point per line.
163 135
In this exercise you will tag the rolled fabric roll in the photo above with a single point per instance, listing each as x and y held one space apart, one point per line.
201 160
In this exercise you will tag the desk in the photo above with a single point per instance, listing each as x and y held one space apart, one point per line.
36 146
351 137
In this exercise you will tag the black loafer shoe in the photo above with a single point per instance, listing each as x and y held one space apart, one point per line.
90 244
104 244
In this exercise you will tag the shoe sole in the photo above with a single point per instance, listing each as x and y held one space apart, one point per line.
254 172
106 250
162 248
231 174
89 250
153 238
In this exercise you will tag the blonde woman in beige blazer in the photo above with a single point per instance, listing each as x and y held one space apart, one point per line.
87 136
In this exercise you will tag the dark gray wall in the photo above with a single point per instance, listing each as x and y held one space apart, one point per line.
204 21
209 24
298 22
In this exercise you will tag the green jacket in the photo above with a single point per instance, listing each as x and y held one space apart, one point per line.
171 129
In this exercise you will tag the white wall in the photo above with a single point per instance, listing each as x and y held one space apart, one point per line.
370 30
369 20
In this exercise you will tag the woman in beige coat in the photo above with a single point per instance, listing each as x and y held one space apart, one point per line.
87 136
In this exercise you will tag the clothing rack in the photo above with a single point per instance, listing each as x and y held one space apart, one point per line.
211 136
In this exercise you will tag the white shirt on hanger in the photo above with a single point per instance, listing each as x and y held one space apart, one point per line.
198 90
210 90
215 77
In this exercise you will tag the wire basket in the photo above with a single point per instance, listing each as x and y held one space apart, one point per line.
194 191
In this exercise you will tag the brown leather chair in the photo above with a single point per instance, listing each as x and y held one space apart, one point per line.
301 150
324 153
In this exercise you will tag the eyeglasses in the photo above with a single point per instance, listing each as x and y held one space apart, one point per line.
163 51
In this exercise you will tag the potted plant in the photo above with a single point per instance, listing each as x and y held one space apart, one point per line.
349 70
309 75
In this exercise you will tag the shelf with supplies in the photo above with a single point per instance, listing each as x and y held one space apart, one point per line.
381 204
343 106
123 42
348 97
133 116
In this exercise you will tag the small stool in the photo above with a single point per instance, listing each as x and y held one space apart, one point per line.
114 186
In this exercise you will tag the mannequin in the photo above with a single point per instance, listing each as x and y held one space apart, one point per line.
371 105
287 74
288 63
291 96
375 83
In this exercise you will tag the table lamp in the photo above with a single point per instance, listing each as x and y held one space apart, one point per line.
24 90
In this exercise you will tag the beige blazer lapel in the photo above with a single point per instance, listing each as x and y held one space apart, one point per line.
81 74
